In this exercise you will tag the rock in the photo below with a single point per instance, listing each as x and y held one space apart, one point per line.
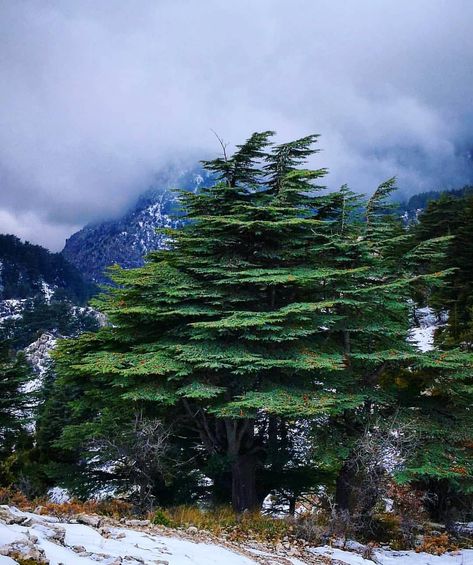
134 558
78 548
192 530
436 526
9 517
58 535
89 520
31 537
134 523
419 540
30 521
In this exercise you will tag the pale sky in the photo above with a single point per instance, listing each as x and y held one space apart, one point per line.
97 96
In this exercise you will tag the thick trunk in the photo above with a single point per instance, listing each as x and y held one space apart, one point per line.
344 487
244 494
292 506
242 452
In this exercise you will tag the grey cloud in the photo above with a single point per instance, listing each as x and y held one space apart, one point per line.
97 96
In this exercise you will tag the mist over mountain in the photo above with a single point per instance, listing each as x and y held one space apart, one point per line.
98 96
126 240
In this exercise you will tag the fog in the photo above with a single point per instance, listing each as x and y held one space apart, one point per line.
96 97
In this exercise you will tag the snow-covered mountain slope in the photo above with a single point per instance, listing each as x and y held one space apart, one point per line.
128 239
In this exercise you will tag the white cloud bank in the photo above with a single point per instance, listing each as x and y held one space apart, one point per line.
96 96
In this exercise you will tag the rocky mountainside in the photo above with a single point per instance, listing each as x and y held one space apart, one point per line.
42 298
28 270
128 239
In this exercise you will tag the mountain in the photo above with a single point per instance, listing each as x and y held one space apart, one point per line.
27 270
411 208
42 297
128 239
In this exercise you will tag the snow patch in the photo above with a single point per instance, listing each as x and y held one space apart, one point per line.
48 291
389 557
427 323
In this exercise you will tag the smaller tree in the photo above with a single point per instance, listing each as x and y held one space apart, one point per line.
16 405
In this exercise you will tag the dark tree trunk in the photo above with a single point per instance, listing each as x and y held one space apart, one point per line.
244 493
222 486
292 505
344 487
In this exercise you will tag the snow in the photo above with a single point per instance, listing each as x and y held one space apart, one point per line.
11 309
48 291
422 335
81 544
38 354
58 495
84 545
389 557
6 560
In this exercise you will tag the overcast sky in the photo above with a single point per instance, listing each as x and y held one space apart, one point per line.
96 96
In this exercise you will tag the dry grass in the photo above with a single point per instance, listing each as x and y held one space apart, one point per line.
113 508
437 545
223 521
15 498
311 529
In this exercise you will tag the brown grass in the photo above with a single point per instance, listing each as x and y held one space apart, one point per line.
223 521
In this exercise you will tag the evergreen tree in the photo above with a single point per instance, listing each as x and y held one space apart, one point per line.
16 403
276 302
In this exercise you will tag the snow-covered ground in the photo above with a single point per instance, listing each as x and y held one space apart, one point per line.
388 557
45 537
92 541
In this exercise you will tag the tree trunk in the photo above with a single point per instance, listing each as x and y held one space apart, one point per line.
244 494
344 487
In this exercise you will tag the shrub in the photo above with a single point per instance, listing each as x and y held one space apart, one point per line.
161 518
12 497
437 545
114 508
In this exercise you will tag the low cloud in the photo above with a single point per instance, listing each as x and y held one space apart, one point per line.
96 97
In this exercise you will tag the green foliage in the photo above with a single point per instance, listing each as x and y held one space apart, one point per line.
275 300
452 216
16 409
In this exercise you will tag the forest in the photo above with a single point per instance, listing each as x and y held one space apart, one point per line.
260 364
